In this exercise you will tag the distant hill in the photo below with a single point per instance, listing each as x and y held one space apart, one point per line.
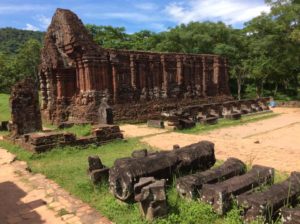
11 39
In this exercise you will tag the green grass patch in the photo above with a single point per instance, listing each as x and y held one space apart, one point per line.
68 166
79 130
4 107
222 123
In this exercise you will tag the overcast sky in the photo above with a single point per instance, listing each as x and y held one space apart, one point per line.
134 15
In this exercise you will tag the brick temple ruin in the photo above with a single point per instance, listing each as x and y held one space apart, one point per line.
76 75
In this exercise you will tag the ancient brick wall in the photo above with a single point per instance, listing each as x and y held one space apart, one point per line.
76 74
25 108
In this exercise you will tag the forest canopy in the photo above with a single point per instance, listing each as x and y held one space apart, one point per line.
263 57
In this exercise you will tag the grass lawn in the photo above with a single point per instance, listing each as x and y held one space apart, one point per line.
4 107
67 167
200 128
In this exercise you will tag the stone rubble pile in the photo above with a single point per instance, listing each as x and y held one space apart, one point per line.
145 175
187 117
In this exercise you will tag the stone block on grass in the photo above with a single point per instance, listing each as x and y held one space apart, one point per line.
220 195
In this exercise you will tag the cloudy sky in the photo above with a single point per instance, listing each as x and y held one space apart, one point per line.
134 15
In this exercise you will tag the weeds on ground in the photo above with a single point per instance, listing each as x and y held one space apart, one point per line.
79 130
4 107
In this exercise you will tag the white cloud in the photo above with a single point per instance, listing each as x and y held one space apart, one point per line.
31 27
11 8
43 21
228 11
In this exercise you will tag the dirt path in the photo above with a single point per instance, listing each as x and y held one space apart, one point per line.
27 198
273 142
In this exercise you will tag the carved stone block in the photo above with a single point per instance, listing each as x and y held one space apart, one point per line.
191 186
161 165
156 123
97 171
268 202
150 194
220 195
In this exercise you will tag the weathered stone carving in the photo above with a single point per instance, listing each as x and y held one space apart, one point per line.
25 109
161 165
105 113
97 171
155 123
76 73
220 194
268 203
190 186
290 216
150 194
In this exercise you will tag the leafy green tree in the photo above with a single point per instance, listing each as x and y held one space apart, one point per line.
109 37
28 58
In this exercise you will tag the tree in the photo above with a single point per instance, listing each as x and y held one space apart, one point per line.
109 37
28 58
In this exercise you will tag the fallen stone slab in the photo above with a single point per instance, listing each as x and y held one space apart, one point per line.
209 120
268 203
190 186
186 124
155 124
150 194
161 165
290 216
220 195
107 132
233 116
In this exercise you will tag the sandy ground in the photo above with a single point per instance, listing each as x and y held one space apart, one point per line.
272 142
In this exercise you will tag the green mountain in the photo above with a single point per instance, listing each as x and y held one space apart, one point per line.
12 39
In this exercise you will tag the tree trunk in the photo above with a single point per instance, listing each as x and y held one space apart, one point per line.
239 86
259 88
276 88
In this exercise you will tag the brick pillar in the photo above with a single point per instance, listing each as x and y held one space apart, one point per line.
204 75
165 76
43 87
60 85
81 75
49 89
216 67
179 70
216 75
115 82
132 71
87 75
